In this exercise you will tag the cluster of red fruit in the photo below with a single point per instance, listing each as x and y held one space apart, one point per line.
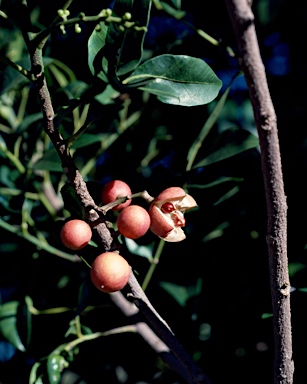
110 271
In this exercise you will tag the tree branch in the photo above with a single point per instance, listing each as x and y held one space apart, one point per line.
178 359
251 64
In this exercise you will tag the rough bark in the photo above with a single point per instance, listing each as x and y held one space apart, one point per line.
252 66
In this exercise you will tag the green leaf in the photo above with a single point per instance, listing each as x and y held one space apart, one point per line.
140 250
215 183
33 374
206 129
87 139
230 150
177 79
71 202
217 232
27 121
106 97
295 267
181 293
132 47
8 324
50 161
96 43
227 195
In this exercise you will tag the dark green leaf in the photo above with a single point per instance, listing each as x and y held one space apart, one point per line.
229 150
217 232
27 121
140 250
71 201
295 267
132 47
8 324
177 79
227 195
96 43
181 293
87 139
50 161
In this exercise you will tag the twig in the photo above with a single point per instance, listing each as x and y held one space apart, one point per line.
251 64
93 215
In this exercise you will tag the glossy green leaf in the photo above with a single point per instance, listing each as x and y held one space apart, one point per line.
8 324
177 79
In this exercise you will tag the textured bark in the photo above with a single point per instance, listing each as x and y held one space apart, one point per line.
265 118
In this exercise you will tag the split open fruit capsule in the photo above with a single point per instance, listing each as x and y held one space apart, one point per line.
167 213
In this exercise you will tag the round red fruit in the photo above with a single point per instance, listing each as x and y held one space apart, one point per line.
110 272
133 222
113 190
75 234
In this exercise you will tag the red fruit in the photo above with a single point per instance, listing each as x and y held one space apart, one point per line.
113 190
110 272
75 234
133 222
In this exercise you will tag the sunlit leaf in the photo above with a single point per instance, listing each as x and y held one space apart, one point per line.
177 79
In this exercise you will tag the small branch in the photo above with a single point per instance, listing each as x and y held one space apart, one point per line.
144 195
251 63
95 216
